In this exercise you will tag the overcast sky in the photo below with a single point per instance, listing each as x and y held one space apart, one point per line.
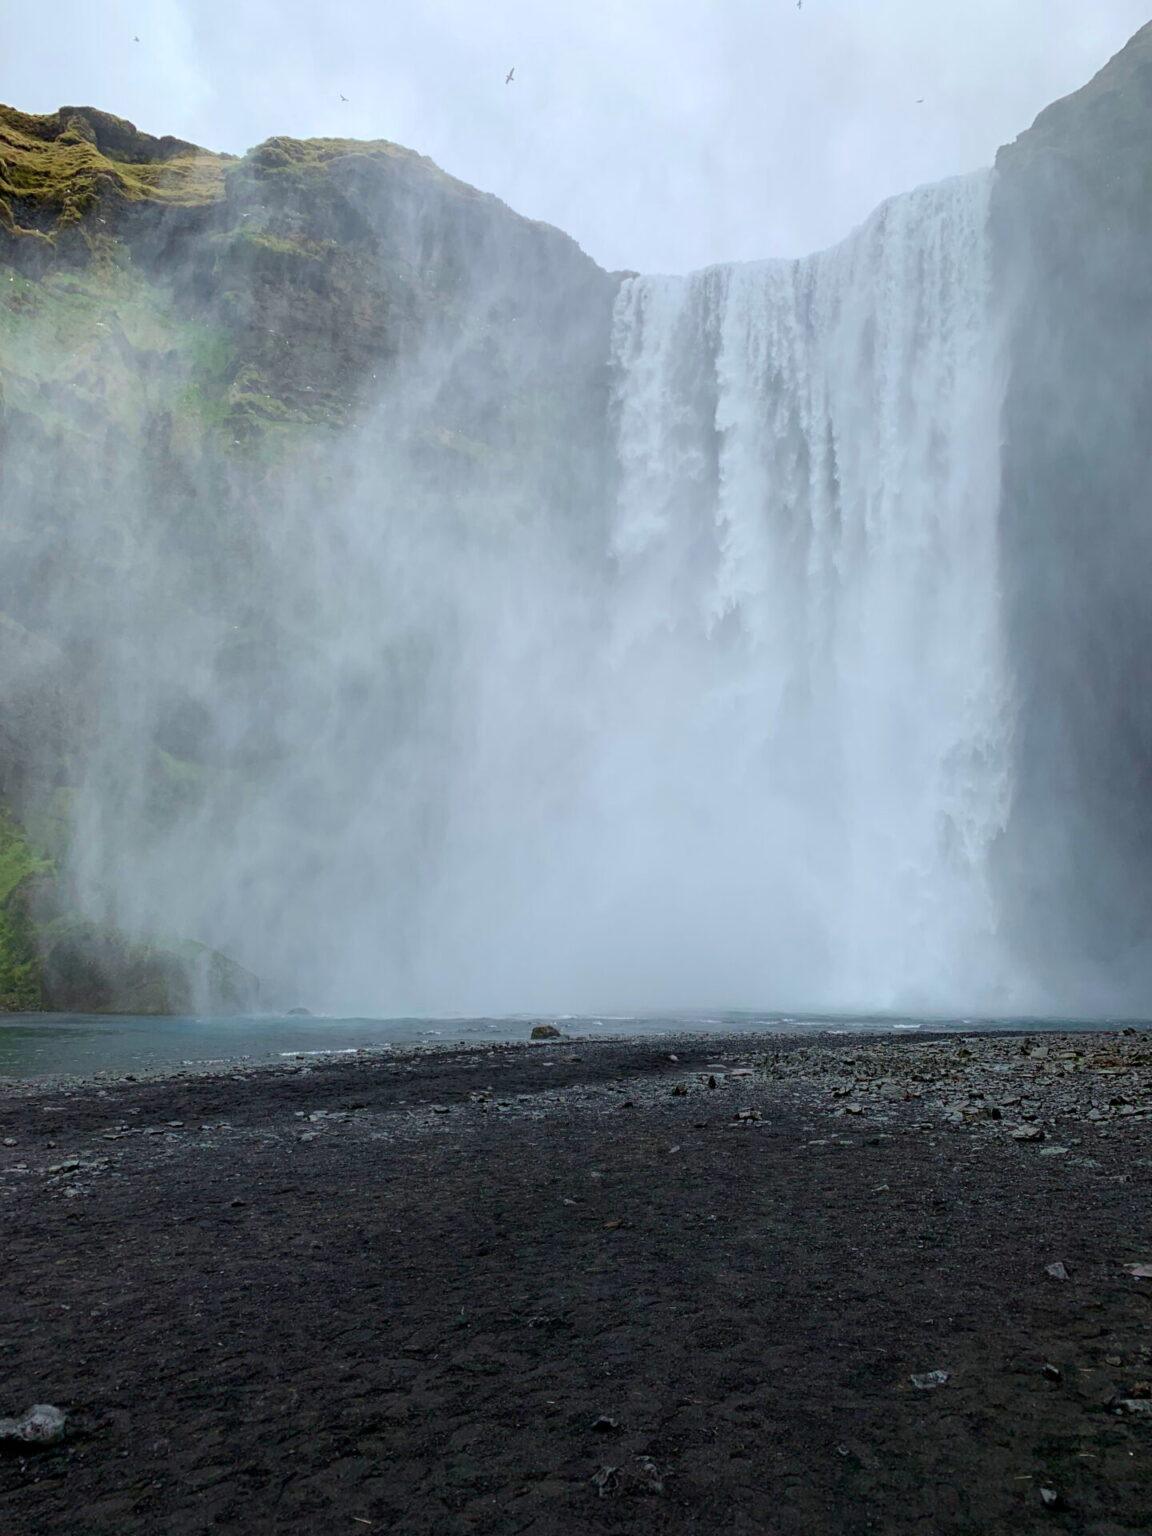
662 134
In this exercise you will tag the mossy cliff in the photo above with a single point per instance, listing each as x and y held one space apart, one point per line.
187 340
1073 226
306 268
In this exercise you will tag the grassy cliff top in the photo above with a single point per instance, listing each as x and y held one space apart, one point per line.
57 169
75 178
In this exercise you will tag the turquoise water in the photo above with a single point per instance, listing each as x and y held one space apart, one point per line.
50 1045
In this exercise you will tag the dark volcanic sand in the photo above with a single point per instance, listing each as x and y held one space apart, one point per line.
412 1320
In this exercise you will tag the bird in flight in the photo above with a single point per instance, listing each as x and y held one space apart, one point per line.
510 74
135 39
343 97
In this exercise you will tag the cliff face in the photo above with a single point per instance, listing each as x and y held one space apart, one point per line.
189 345
1073 225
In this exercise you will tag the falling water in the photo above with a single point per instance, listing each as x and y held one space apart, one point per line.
807 631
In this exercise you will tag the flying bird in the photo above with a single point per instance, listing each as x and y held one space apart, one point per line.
508 77
343 97
135 39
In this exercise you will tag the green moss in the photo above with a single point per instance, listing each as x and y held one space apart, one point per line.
20 864
80 351
249 238
57 170
49 826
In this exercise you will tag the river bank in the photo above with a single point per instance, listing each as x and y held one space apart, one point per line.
674 1286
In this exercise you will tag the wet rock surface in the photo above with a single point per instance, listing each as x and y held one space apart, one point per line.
673 1286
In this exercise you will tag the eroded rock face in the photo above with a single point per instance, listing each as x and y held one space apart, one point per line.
1073 223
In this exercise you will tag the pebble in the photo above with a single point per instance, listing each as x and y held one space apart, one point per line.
973 1083
648 1474
1057 1271
928 1381
43 1424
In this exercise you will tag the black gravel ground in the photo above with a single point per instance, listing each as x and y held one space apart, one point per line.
576 1289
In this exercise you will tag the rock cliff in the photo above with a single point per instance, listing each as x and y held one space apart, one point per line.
1073 224
186 340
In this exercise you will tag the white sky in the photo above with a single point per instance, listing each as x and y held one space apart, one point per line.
662 134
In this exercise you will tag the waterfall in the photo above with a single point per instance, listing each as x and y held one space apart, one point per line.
726 727
812 711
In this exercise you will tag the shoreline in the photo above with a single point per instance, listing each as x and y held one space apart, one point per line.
402 1292
679 1031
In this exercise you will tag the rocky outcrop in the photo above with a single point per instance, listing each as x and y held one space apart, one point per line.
77 182
1073 222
